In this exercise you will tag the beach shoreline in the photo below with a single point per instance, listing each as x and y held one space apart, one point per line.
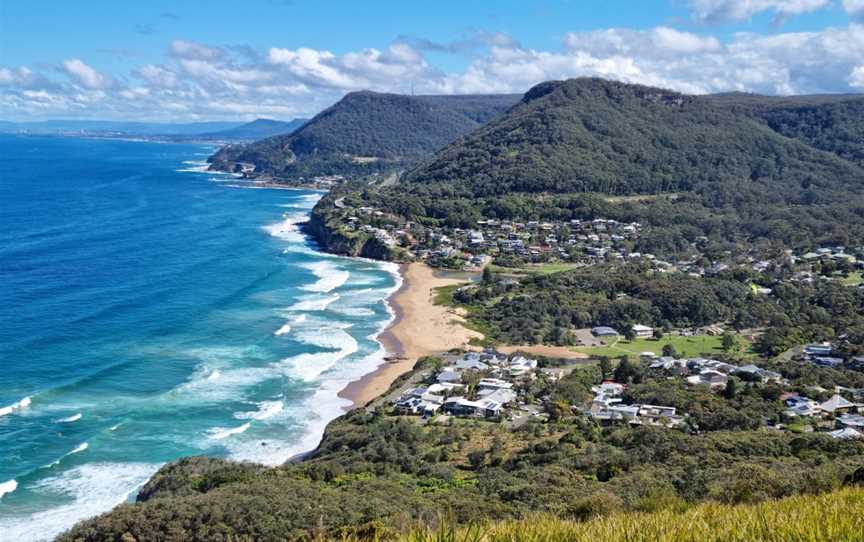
419 328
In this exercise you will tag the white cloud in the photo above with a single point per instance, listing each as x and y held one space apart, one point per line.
85 75
856 78
785 63
157 76
202 81
717 11
195 51
854 7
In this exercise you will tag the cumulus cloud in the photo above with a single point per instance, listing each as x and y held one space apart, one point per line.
85 75
718 11
784 63
197 80
353 70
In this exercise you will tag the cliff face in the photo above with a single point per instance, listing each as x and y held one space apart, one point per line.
332 240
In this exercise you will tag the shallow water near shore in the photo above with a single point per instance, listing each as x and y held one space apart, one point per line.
149 312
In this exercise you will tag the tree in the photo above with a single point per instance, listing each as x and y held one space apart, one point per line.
731 388
628 333
625 371
658 333
488 275
476 458
730 342
669 350
605 367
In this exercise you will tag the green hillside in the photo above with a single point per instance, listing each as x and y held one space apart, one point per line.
827 122
367 132
579 149
592 135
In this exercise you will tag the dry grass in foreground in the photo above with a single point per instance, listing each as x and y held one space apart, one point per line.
835 517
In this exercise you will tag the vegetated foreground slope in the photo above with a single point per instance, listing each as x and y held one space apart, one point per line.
367 132
377 474
836 516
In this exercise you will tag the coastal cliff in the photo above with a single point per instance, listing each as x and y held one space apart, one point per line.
332 237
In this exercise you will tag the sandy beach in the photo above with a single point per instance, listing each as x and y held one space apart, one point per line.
420 328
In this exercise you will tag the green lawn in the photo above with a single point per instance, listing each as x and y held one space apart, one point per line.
853 279
686 347
535 269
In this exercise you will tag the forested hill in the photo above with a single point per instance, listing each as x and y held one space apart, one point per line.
367 132
831 123
593 135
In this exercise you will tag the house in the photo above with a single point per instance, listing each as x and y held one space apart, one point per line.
846 433
837 404
855 421
494 384
604 331
670 365
659 415
500 396
643 332
609 389
449 376
470 363
485 407
709 377
520 366
818 350
613 412
801 406
827 361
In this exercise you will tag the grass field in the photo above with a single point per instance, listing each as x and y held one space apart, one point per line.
687 347
837 516
535 269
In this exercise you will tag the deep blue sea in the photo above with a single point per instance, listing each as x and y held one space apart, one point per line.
150 310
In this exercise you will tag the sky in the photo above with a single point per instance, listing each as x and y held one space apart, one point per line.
193 60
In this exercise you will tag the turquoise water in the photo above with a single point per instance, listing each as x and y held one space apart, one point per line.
150 310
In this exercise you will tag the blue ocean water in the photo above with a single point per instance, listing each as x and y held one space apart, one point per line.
150 310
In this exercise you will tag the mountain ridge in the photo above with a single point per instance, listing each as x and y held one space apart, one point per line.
366 133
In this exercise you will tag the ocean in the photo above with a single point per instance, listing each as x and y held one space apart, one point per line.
151 310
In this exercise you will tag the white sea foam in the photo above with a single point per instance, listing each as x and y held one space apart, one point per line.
285 329
214 375
93 488
329 276
78 449
266 410
219 433
314 302
287 229
70 419
194 166
114 427
20 405
310 366
231 384
8 487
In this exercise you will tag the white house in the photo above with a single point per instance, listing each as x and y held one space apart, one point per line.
643 332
